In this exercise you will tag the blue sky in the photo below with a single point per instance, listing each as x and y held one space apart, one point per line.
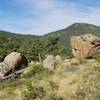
43 16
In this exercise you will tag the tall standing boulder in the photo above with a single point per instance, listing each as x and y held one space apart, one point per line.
85 46
49 62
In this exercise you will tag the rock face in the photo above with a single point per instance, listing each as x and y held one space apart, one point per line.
49 62
85 46
14 61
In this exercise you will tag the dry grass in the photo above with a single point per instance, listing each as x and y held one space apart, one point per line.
66 82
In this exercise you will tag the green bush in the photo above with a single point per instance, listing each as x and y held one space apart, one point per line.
53 96
53 85
97 57
38 92
38 72
33 93
89 84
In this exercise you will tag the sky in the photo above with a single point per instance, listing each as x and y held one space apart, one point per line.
40 17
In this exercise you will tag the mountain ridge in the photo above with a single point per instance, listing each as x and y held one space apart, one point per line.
63 34
74 24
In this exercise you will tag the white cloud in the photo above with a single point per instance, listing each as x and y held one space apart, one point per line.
43 16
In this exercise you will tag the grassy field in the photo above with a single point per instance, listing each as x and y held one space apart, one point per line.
81 82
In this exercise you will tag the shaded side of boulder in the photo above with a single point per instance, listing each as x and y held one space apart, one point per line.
85 46
49 62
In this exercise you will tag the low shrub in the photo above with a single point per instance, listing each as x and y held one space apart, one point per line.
53 85
97 57
89 84
37 72
33 93
54 96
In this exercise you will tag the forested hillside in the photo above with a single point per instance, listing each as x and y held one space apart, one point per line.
57 42
31 46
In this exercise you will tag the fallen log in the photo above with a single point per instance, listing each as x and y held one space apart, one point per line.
13 75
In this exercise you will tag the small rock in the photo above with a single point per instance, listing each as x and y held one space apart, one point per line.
37 63
75 61
66 63
58 60
49 62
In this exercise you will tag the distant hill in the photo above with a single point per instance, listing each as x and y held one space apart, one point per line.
63 34
10 34
75 29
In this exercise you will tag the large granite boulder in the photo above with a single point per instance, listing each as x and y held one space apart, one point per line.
85 46
49 62
14 61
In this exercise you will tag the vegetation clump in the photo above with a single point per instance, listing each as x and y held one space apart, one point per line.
33 93
37 72
89 84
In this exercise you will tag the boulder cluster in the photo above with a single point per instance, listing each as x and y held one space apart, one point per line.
51 62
